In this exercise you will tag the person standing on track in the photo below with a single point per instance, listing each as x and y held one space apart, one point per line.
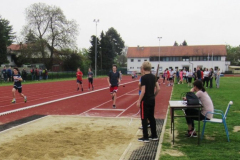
90 78
17 85
113 81
79 75
146 102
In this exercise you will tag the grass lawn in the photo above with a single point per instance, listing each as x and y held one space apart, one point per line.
214 144
43 81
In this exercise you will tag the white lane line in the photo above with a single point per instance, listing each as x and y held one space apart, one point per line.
103 109
132 94
126 109
41 104
106 102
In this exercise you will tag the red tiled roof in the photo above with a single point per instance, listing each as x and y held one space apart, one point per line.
15 47
201 50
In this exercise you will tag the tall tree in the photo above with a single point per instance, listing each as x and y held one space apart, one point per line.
6 38
107 52
116 40
184 43
233 55
175 43
92 52
52 29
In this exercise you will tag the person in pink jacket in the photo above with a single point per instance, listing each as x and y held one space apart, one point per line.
181 76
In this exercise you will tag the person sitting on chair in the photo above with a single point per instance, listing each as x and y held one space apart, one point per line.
207 107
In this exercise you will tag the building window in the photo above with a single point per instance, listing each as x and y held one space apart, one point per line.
138 67
139 60
132 60
131 67
145 59
152 67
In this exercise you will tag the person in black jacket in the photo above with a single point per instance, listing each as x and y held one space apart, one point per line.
199 76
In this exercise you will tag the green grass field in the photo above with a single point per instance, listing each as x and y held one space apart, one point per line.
43 81
214 144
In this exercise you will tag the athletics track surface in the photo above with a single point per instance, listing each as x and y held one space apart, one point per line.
88 103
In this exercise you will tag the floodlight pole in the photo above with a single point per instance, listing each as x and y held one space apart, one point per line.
96 21
159 38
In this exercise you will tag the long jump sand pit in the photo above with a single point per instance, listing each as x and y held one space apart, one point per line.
70 137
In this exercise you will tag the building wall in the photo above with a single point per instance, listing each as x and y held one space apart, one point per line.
137 62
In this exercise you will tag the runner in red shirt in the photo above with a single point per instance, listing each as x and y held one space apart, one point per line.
79 75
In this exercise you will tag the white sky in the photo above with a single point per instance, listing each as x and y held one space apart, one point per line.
140 22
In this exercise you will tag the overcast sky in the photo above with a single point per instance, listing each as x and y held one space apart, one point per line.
140 22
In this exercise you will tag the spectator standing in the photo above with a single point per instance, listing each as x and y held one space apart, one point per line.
46 73
4 73
24 75
146 102
206 77
199 76
33 73
218 78
181 76
37 74
184 75
177 75
9 74
190 75
187 76
211 74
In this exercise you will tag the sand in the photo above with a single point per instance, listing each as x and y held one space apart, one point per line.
70 137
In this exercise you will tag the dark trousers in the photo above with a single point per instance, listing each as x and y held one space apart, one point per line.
193 112
205 80
147 113
210 82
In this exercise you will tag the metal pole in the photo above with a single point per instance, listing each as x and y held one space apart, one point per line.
159 50
96 21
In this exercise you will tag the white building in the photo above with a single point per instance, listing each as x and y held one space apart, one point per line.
178 57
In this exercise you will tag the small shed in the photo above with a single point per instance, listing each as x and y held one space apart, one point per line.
234 69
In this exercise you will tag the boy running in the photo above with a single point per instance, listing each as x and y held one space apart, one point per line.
90 78
113 81
17 85
146 102
79 75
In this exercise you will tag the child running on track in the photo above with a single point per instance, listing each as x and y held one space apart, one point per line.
79 75
113 81
90 78
146 102
17 85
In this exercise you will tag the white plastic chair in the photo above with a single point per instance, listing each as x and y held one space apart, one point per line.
217 120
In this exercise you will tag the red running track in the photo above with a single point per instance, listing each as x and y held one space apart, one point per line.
87 103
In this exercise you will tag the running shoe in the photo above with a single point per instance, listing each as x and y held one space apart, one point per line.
78 89
25 99
13 101
114 106
82 89
145 140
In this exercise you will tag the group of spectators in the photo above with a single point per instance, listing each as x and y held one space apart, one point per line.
37 74
186 76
